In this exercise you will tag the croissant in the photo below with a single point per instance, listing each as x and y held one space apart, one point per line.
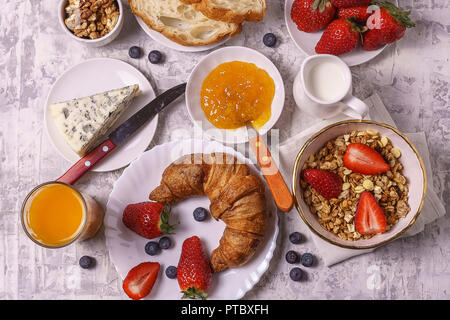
237 198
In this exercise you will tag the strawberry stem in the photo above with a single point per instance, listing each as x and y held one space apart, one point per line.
164 224
193 293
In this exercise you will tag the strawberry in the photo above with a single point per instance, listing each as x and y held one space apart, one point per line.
340 36
327 184
193 272
148 219
363 159
369 217
350 3
386 26
312 15
360 14
140 280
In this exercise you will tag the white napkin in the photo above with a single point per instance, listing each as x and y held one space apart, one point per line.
432 208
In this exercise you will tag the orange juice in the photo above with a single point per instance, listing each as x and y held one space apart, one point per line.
54 214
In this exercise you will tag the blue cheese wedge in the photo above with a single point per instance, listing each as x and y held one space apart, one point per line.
84 121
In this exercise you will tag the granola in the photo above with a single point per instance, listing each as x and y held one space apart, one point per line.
91 19
390 188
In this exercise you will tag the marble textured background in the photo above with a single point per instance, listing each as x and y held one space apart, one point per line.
412 77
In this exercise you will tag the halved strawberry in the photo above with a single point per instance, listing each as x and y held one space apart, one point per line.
140 280
148 219
327 184
363 159
369 217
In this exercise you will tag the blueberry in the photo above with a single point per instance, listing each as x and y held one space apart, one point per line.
292 256
295 237
152 248
165 242
200 214
155 56
269 39
86 262
296 274
171 272
134 52
307 259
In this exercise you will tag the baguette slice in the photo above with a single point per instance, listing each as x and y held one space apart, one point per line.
182 23
232 11
84 121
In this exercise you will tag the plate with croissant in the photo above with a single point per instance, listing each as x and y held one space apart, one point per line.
237 234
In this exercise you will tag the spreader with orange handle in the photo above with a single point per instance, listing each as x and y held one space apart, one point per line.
280 191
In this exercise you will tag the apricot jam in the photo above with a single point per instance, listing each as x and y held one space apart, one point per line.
237 94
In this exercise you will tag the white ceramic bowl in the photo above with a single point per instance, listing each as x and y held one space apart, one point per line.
91 42
201 71
413 171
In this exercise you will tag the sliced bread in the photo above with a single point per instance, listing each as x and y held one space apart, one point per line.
232 11
181 23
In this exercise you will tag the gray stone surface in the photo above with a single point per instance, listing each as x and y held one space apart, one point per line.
412 77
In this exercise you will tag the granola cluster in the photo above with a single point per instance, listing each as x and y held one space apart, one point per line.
91 19
389 188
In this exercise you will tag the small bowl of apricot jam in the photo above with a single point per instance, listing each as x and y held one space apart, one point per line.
232 88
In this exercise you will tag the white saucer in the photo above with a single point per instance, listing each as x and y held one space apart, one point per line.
161 39
306 42
201 71
127 249
95 76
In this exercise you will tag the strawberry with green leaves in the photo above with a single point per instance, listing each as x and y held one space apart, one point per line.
312 15
386 25
341 36
148 219
193 271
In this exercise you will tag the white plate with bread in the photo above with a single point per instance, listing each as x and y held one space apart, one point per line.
97 76
195 25
127 249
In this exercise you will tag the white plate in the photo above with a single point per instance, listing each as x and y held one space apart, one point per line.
95 76
161 39
126 248
307 41
201 71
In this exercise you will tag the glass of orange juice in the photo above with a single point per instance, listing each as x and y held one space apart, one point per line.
54 215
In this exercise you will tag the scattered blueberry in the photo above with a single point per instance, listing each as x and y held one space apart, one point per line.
164 243
155 56
200 214
292 256
307 259
269 39
152 248
171 272
296 274
295 237
86 262
134 52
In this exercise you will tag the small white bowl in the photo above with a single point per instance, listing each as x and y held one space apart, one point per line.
91 42
413 170
201 71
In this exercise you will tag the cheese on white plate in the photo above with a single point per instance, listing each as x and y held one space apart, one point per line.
84 121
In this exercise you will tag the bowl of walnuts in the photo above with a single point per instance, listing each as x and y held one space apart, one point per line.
359 184
92 22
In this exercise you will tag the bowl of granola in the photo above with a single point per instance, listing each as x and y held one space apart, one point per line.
359 184
92 22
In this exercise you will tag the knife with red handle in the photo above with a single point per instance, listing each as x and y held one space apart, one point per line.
280 191
121 134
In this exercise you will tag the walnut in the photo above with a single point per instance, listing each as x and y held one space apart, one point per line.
91 19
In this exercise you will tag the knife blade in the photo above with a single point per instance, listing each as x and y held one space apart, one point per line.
121 134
